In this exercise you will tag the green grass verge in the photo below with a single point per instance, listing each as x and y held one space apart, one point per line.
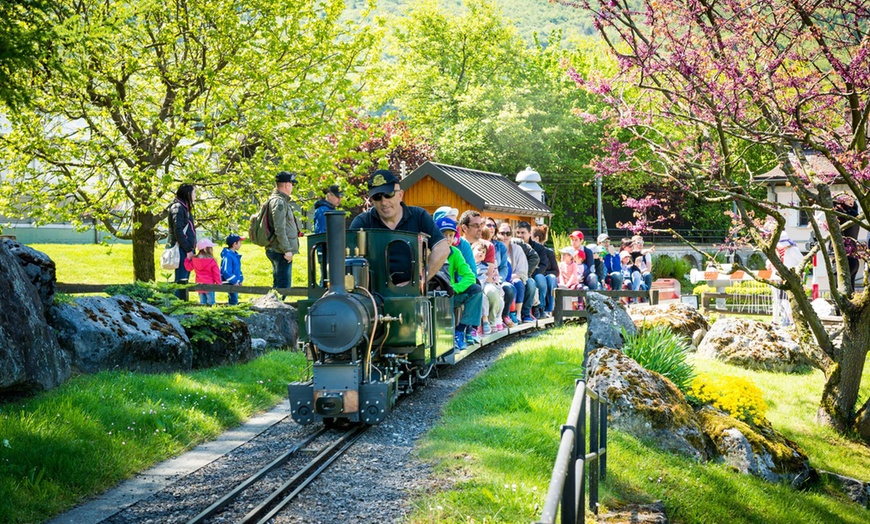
96 430
495 446
113 264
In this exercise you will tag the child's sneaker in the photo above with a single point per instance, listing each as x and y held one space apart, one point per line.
487 329
514 318
507 321
471 338
459 340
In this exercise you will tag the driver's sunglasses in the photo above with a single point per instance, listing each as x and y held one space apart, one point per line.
379 196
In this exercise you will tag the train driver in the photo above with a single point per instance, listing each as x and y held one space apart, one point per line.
389 212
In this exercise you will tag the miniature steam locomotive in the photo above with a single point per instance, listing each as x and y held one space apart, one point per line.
371 331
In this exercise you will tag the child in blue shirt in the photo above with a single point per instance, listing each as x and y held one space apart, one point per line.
231 266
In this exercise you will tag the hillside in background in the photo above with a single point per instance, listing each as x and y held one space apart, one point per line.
529 16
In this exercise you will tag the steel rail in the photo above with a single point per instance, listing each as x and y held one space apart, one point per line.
229 497
303 478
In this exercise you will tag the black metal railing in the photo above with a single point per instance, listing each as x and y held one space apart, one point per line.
560 313
572 460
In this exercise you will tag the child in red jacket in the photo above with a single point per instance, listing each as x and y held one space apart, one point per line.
206 268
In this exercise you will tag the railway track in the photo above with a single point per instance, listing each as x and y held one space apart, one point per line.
290 488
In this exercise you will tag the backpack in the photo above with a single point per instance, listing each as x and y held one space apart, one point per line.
260 230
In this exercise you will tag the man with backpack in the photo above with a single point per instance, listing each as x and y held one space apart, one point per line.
283 230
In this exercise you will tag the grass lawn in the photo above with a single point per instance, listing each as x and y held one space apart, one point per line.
84 437
496 443
113 264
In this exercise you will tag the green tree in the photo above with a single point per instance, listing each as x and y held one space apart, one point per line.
217 93
488 101
28 43
734 82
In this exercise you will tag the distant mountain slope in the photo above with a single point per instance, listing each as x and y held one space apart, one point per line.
529 16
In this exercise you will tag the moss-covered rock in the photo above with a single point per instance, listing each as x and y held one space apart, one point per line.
754 345
758 450
644 403
221 343
682 319
606 320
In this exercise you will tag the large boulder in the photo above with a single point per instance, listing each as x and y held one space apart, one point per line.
756 450
273 321
644 403
38 267
31 359
217 345
605 321
121 333
753 345
682 319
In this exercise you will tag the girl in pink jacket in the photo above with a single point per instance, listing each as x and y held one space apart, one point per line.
206 268
568 269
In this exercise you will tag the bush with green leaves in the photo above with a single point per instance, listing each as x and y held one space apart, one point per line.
659 349
664 266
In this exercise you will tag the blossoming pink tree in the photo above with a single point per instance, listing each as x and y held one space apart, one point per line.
706 88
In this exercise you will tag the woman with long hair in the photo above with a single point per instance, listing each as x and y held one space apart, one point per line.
182 231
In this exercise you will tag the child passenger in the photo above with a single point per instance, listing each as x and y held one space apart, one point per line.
231 266
580 268
206 268
568 269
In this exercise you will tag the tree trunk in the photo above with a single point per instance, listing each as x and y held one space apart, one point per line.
843 377
144 238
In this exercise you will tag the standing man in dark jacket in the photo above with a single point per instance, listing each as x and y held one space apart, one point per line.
182 232
285 242
329 202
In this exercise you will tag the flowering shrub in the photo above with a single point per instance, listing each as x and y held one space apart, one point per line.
738 396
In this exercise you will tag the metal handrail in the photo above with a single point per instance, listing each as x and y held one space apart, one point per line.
563 492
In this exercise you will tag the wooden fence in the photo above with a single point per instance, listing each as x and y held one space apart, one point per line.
249 290
560 313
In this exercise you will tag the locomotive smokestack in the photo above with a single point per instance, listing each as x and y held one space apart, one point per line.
335 249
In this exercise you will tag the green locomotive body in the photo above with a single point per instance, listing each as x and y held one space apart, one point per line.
371 329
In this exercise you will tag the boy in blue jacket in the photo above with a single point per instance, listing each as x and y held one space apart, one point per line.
231 266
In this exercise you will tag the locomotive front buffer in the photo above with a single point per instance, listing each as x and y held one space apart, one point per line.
331 396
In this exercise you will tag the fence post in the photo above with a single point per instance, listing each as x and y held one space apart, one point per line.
593 448
581 448
602 407
569 492
558 310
